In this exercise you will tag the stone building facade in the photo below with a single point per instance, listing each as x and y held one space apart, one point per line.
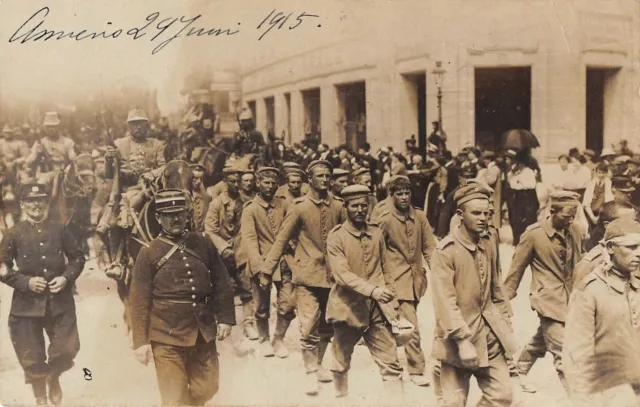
568 70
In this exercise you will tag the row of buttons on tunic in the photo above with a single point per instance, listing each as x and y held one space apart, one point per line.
193 288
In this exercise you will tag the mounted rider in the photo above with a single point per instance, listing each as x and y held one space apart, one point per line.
248 140
141 161
52 153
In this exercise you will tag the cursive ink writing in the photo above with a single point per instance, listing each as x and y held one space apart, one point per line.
279 19
164 30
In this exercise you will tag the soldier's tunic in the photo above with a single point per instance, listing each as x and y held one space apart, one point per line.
141 156
553 258
469 304
39 250
222 226
11 153
355 259
61 150
261 221
176 309
309 220
410 242
602 336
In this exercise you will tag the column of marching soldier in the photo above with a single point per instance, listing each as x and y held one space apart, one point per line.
351 269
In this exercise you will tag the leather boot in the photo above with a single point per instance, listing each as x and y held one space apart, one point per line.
55 391
280 349
263 329
341 384
324 376
40 391
249 321
266 349
310 359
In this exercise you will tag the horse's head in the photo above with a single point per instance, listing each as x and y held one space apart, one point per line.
84 172
177 175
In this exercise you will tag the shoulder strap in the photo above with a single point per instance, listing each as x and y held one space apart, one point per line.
174 248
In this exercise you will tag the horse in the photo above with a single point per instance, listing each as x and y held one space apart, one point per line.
213 157
72 193
125 244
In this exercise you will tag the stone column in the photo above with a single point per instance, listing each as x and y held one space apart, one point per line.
297 116
329 115
261 116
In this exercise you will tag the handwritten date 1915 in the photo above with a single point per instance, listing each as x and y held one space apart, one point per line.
277 19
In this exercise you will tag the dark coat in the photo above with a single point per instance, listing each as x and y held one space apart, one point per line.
185 296
40 250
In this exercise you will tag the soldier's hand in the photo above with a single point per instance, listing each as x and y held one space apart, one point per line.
144 354
264 279
382 294
468 354
224 331
57 284
148 177
227 253
4 270
37 284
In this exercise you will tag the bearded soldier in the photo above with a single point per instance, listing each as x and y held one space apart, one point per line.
141 158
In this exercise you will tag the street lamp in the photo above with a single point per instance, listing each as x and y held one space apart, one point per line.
438 75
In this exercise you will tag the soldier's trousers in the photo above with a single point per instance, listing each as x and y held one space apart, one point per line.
186 375
312 307
27 335
285 299
378 338
548 338
240 281
413 349
494 382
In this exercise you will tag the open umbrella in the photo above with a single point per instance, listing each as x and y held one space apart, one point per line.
519 139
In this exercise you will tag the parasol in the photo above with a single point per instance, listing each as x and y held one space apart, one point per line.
519 139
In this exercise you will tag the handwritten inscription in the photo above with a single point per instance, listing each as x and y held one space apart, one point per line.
279 19
157 29
88 376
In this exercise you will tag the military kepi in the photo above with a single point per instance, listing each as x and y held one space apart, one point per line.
354 191
34 191
170 200
469 193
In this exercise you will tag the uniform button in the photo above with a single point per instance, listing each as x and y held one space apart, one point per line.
184 258
181 251
193 288
194 305
187 265
41 244
44 257
45 270
39 231
188 273
191 280
193 296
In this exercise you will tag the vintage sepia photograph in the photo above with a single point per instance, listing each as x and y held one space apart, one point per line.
320 203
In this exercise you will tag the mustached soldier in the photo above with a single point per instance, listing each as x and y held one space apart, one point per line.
181 302
42 297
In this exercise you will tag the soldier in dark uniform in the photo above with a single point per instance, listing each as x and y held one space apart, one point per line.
42 297
181 302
